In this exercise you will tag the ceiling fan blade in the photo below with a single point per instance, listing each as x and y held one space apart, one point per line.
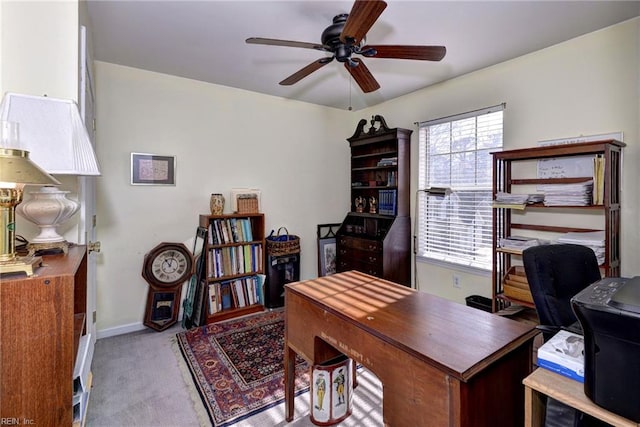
286 43
362 16
424 53
362 76
304 72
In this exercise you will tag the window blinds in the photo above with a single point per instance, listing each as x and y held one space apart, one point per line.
454 153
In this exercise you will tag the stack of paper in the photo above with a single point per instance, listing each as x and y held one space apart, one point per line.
563 354
535 198
516 201
580 194
510 198
520 243
594 240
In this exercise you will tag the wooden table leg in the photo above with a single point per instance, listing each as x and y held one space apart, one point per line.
289 381
533 408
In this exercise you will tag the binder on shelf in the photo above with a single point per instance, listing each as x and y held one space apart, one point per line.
260 279
225 292
598 179
82 366
80 403
213 295
387 202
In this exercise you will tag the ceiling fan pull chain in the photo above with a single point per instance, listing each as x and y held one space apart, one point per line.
350 84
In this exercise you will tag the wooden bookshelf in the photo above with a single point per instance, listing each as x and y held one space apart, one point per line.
609 178
235 253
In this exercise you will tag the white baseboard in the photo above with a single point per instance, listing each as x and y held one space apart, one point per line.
120 330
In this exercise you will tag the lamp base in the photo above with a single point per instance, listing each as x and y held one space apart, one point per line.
19 264
41 247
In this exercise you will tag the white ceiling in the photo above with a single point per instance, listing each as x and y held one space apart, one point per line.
205 40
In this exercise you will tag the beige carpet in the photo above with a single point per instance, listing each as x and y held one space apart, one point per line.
140 379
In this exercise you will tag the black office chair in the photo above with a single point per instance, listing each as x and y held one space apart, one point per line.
555 274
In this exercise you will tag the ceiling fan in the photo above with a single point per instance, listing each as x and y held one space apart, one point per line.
345 37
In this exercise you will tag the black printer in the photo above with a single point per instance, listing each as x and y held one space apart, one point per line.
609 313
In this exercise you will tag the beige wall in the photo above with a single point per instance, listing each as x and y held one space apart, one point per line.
295 153
588 85
39 46
43 62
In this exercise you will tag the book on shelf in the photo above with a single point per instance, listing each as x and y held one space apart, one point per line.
225 296
232 260
239 293
598 179
260 279
236 293
229 230
213 298
387 202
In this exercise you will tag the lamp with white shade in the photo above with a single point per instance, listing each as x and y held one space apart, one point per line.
16 171
52 131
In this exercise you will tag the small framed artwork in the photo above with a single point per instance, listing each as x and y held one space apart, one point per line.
152 169
327 248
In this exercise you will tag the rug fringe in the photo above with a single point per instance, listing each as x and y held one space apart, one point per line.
201 412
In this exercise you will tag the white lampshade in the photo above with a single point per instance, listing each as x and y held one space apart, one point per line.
53 132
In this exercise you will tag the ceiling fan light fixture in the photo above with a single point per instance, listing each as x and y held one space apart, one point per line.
331 35
343 53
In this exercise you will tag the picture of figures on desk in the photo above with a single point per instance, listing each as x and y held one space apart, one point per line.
331 391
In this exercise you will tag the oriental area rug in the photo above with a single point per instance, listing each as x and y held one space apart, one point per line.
237 365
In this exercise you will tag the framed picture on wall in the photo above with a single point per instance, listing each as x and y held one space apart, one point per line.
152 169
327 249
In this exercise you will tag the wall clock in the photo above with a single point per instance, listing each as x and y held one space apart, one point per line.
166 267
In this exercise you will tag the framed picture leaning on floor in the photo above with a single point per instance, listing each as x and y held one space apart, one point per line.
327 248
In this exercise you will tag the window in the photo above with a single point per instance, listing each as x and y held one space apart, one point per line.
455 181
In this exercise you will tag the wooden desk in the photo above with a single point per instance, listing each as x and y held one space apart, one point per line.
570 392
440 363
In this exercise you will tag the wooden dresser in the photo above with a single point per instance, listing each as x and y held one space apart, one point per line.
41 321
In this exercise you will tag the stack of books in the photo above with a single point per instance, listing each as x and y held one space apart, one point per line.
388 161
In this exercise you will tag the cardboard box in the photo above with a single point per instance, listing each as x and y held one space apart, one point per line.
564 354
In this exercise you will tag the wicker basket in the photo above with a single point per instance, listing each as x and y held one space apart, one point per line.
282 244
247 204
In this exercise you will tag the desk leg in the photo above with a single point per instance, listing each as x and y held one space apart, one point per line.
289 381
533 408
